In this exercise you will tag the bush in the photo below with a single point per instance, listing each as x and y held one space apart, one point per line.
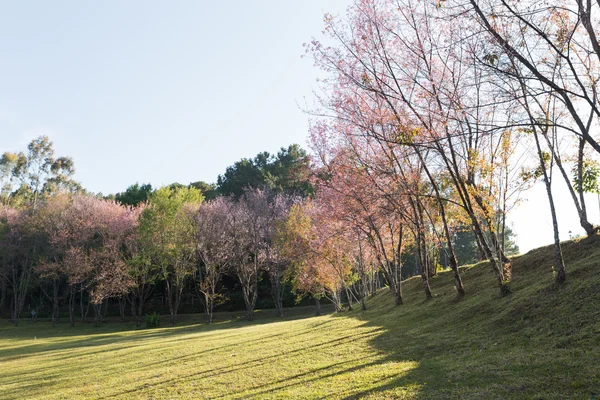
153 320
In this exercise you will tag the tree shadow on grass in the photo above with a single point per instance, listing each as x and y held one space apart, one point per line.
86 335
537 343
540 342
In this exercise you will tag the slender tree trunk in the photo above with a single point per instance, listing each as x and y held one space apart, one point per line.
105 309
250 301
131 299
363 294
317 306
122 305
394 284
583 219
424 267
249 288
276 290
561 275
20 287
426 286
348 296
87 308
171 300
178 294
140 312
337 301
398 300
72 292
451 255
14 312
82 309
579 202
3 287
97 314
55 308
208 307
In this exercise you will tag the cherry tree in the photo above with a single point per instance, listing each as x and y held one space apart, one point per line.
213 249
403 76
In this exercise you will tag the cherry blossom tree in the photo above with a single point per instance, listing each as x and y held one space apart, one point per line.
213 249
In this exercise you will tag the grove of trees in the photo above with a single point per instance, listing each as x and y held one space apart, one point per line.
434 117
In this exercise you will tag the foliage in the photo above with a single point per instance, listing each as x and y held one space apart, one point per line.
37 172
152 320
288 171
208 190
590 182
135 194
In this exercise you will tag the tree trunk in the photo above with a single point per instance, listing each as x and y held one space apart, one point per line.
337 301
249 287
55 308
97 314
317 307
105 309
72 304
87 308
14 315
208 307
363 304
561 274
82 309
138 316
348 296
579 202
3 287
451 255
122 305
394 283
424 267
20 287
171 301
276 290
131 299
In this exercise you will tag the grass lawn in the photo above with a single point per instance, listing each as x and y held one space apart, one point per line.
541 342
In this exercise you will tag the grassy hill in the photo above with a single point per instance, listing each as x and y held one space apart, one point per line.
542 342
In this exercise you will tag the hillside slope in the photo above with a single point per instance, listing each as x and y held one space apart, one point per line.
541 342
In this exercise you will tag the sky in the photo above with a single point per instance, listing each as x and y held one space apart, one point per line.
162 92
156 91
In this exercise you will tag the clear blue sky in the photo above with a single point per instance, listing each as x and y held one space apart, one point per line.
175 91
156 91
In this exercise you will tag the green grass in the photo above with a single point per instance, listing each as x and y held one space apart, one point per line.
542 342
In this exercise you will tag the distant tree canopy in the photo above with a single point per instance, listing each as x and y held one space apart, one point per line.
208 190
467 252
288 171
35 173
135 194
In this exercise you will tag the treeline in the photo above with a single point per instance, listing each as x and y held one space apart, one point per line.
63 249
269 225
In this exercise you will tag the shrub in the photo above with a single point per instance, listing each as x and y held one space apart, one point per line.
153 320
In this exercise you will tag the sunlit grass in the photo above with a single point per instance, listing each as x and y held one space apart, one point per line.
303 358
541 342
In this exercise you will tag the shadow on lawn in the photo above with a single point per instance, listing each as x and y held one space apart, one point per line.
538 343
483 346
246 365
114 331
